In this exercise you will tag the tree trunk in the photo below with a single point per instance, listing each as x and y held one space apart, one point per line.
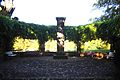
42 47
112 43
8 43
117 56
111 47
2 45
78 47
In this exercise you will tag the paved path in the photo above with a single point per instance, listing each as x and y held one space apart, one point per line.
47 68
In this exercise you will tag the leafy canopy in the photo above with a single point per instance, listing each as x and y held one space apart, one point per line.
111 8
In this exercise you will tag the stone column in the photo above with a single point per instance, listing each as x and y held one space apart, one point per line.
60 39
60 34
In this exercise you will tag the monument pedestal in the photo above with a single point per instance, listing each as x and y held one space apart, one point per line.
60 55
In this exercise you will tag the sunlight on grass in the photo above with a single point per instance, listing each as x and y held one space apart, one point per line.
97 44
21 44
70 46
51 46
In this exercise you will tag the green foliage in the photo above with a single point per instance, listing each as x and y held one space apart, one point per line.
80 33
97 44
11 29
109 23
111 8
52 31
108 28
87 32
70 32
41 32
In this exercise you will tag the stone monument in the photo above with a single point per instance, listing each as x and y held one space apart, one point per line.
60 38
6 7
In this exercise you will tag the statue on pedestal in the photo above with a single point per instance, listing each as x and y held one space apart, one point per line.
6 7
60 39
60 34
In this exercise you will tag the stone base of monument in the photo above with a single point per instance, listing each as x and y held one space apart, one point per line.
60 56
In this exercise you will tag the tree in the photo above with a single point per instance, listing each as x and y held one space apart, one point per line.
80 34
9 29
109 29
52 31
41 33
111 8
110 20
71 34
6 29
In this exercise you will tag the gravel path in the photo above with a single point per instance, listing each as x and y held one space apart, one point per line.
47 68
